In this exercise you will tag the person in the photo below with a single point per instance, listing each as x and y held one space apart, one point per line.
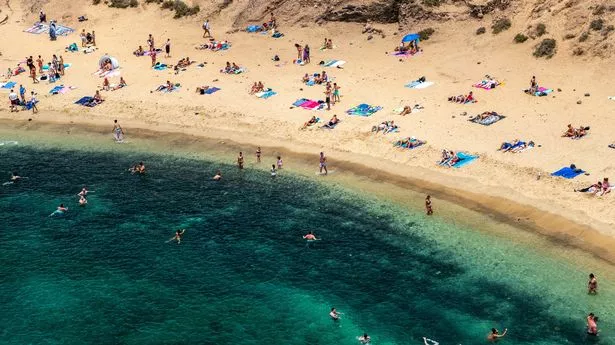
93 38
312 121
22 93
118 132
299 50
82 201
240 160
15 177
206 29
365 339
274 172
33 102
334 314
279 162
83 192
39 63
428 207
272 21
332 123
594 188
495 335
167 47
328 98
121 84
218 176
83 37
42 17
306 54
592 284
106 85
606 186
150 42
323 163
592 326
14 99
570 132
152 55
258 154
330 44
62 208
310 236
336 93
97 97
33 75
61 65
139 168
178 235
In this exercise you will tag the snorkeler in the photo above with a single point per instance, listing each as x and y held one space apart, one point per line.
334 314
592 284
218 176
365 339
310 236
178 236
82 200
495 335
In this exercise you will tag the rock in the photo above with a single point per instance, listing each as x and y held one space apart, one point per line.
579 102
395 34
559 90
587 95
370 37
478 63
301 89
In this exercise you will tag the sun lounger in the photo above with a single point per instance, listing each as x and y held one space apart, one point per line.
363 110
568 172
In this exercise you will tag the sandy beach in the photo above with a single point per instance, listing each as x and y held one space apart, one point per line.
515 187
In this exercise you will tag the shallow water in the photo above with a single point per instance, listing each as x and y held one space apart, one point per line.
105 274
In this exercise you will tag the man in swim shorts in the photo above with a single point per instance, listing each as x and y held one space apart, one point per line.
240 160
323 163
62 208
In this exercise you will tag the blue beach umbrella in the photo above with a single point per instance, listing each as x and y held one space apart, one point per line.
410 38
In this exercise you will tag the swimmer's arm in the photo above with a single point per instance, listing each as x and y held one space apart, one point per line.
503 333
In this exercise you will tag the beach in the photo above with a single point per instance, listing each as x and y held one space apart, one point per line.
503 188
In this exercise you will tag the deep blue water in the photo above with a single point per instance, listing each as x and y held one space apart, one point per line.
105 273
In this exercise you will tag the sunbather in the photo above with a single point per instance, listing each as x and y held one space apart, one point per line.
97 97
520 146
332 123
306 78
606 186
484 115
594 188
260 87
570 132
446 156
409 143
462 99
407 110
254 88
580 132
120 85
201 89
311 122
454 159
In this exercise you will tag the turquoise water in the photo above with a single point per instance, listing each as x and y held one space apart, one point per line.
104 274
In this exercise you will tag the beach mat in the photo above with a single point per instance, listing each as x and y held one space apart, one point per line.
160 67
464 159
311 105
363 110
9 85
86 101
568 172
489 120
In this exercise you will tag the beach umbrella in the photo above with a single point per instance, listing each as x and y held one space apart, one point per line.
114 62
103 60
410 38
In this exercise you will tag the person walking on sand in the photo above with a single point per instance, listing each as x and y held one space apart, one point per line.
323 164
258 154
240 160
167 48
428 207
118 132
33 102
328 98
206 29
592 284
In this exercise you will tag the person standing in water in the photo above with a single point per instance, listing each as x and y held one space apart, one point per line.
258 154
334 314
279 162
592 326
365 339
82 200
592 284
428 207
240 160
323 163
118 132
495 334
274 172
84 192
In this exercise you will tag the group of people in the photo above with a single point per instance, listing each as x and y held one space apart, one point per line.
88 38
317 78
409 143
516 146
107 85
303 54
257 87
599 188
449 158
17 101
332 94
575 133
463 99
231 68
327 44
385 127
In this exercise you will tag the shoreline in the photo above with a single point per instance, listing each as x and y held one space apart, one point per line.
556 228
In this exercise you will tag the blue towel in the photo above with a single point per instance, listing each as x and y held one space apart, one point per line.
568 173
253 28
9 85
268 94
84 100
160 67
56 89
363 110
329 63
299 102
211 90
464 159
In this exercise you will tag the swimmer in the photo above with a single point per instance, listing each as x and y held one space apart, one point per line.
178 236
15 177
310 237
62 208
218 176
82 201
83 193
139 168
334 314
495 335
274 172
592 285
364 339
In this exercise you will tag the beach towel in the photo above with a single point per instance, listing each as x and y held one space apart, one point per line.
418 85
363 110
66 66
568 172
56 89
29 105
464 159
211 90
9 85
404 54
72 48
311 105
39 28
176 87
266 94
277 35
87 101
160 66
542 91
254 28
488 121
299 102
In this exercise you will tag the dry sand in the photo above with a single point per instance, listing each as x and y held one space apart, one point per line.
453 58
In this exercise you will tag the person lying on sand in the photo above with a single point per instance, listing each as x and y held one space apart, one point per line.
484 115
462 99
593 189
331 124
201 89
120 85
311 122
385 127
410 142
407 110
